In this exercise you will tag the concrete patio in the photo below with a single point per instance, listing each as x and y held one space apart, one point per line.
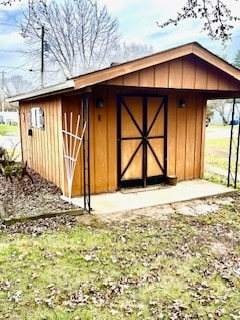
130 199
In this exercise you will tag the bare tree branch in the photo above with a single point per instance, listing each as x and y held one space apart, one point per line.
79 33
129 51
217 16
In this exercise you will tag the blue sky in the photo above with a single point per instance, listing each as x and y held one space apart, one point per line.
11 43
138 23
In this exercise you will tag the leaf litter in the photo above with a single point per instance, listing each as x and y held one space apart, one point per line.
184 266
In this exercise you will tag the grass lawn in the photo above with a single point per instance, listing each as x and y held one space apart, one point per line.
217 150
219 125
216 161
220 144
180 268
6 129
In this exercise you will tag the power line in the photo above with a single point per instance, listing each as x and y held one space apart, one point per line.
13 51
18 67
25 69
15 68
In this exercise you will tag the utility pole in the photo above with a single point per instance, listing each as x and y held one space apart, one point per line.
42 56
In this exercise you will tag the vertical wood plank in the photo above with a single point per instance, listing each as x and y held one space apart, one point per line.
201 75
212 79
223 81
203 103
175 73
200 126
181 143
162 75
119 81
171 134
188 79
112 141
99 142
191 137
146 77
131 79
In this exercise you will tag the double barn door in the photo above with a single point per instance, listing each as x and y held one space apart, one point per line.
141 138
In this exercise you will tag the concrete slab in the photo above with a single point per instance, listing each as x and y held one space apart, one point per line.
146 197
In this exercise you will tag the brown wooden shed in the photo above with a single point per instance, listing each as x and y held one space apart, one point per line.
146 120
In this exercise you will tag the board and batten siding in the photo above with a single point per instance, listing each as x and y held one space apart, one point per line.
187 72
73 105
44 153
182 73
43 150
103 141
185 137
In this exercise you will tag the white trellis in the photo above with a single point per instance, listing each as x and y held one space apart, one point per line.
71 147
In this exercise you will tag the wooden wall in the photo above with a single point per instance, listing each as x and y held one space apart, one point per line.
183 73
72 105
185 137
104 142
187 77
43 150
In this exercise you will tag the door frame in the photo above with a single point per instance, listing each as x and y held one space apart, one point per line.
144 181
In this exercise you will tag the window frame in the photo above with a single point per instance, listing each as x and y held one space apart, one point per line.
37 118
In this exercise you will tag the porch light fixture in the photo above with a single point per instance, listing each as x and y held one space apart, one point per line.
99 103
182 103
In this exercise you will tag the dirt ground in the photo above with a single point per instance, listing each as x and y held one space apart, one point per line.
23 199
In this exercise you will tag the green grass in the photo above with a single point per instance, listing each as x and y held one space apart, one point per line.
145 269
218 125
216 155
6 129
219 144
216 161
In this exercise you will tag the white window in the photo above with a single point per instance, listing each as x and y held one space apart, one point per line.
37 118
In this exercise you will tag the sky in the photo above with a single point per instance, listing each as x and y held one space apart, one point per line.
138 23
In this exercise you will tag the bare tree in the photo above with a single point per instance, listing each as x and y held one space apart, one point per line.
79 34
216 14
13 86
126 52
222 107
17 85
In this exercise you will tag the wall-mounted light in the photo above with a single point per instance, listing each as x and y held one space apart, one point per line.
182 103
99 103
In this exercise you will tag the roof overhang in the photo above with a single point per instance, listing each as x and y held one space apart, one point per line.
100 76
193 48
68 85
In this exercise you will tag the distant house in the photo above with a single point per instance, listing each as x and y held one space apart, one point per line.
146 120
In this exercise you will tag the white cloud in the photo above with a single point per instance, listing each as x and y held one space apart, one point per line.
138 23
10 40
137 20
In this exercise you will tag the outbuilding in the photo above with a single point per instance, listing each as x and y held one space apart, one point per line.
145 120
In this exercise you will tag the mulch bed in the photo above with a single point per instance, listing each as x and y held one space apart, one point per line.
23 199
